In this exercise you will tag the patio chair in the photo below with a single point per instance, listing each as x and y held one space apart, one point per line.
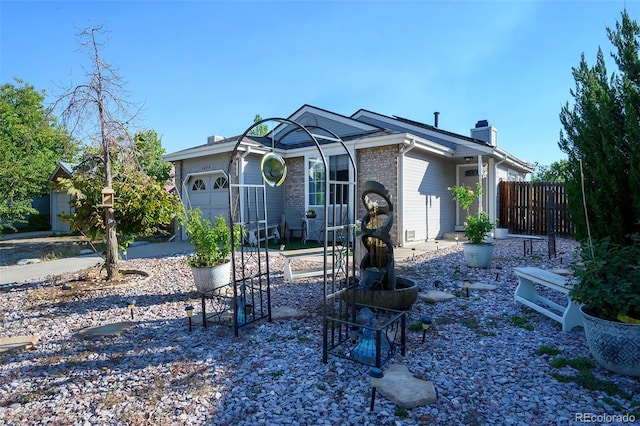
341 219
293 223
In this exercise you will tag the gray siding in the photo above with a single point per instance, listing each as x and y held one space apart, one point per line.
427 205
275 196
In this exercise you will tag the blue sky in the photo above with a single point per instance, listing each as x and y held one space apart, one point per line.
206 68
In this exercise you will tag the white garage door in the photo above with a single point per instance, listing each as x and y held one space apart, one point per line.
210 193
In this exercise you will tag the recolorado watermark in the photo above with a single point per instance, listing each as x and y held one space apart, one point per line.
605 418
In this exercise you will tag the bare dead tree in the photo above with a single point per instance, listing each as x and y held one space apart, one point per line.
99 109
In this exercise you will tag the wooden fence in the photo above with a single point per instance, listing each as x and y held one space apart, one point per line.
534 208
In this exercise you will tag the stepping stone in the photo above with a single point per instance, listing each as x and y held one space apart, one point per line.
85 252
19 343
435 296
405 390
109 330
285 312
27 261
481 286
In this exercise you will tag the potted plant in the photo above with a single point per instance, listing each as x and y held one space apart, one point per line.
500 233
608 287
478 253
311 214
211 260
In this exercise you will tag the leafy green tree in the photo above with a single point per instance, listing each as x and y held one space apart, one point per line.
148 154
556 172
260 129
601 138
32 143
143 206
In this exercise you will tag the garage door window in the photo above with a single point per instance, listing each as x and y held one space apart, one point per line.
221 183
198 185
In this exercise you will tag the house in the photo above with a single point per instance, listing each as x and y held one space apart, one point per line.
60 201
415 161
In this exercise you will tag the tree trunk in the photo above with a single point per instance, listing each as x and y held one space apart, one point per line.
111 261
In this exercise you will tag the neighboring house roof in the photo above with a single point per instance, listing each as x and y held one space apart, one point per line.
362 125
62 170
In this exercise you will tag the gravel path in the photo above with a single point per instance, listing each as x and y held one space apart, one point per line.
482 356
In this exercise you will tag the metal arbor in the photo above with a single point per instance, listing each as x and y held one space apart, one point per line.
247 209
382 334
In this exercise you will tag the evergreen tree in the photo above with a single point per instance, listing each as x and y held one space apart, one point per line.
601 139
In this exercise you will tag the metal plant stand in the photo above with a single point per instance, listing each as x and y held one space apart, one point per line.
219 300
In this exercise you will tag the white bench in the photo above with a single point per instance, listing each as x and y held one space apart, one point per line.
291 273
569 316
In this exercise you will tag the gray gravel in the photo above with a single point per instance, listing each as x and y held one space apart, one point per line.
484 367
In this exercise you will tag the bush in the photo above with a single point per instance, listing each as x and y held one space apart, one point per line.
39 222
608 281
477 227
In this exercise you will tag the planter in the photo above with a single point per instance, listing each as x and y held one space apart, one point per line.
614 345
501 233
400 299
478 255
210 278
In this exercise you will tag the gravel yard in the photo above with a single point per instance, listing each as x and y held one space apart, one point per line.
491 361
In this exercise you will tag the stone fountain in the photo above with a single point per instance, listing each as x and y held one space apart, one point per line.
378 284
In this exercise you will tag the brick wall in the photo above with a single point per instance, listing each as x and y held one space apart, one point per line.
294 184
380 164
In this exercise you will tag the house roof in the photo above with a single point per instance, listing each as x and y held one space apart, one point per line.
363 124
62 170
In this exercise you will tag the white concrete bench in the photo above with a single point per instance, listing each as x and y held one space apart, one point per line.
569 316
290 272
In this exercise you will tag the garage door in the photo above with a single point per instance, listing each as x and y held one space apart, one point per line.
210 193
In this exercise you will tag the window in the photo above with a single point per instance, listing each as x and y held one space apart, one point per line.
316 182
221 183
198 185
338 171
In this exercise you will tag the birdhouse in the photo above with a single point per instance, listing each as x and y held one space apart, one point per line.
107 197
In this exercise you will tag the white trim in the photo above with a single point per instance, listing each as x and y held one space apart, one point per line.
325 114
373 142
223 148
